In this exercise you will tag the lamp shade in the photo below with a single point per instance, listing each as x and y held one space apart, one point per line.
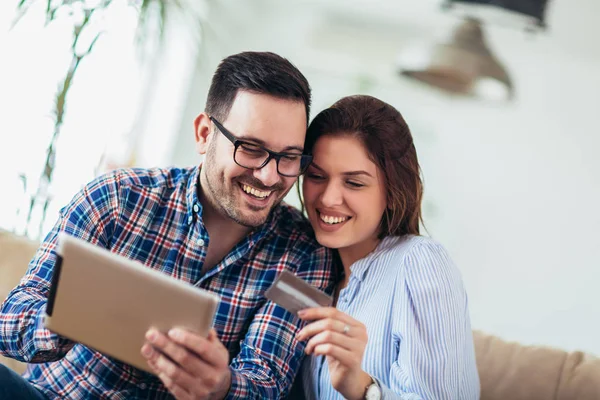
463 65
531 8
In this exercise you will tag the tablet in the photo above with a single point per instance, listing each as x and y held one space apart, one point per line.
108 302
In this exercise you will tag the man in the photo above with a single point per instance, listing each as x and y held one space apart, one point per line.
219 226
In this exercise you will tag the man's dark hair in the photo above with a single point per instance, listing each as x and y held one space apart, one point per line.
255 72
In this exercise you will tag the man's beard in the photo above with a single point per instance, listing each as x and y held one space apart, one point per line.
226 202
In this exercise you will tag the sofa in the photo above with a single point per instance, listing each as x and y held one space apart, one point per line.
15 253
508 370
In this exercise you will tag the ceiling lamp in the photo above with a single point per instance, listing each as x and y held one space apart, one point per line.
463 65
535 10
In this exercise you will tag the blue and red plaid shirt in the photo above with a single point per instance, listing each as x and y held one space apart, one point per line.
154 216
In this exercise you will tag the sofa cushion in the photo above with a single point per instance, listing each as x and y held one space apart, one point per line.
15 254
509 370
580 378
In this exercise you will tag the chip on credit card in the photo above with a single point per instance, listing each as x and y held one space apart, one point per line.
295 294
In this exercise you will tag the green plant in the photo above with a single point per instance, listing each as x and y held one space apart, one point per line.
84 37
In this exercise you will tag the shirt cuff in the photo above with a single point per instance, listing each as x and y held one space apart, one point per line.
47 345
389 394
240 387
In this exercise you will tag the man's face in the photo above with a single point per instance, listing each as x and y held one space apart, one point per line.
248 196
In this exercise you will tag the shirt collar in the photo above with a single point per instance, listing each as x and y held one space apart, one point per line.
360 267
193 206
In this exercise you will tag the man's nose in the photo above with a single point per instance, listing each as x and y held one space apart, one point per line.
268 174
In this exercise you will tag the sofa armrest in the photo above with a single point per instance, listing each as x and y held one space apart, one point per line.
15 365
509 370
580 378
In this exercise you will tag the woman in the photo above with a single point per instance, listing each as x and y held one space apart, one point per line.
400 325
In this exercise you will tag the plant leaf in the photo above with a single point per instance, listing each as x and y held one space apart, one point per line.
22 8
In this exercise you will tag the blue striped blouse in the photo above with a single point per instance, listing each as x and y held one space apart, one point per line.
410 296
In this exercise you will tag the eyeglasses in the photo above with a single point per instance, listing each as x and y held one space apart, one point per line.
254 156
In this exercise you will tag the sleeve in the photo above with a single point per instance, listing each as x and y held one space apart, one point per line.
436 358
270 355
89 216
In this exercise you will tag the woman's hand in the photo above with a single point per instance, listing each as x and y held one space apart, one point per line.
343 340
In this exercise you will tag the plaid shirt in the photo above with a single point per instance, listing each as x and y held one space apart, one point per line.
154 216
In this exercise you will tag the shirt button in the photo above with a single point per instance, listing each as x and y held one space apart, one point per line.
143 386
190 220
200 242
196 208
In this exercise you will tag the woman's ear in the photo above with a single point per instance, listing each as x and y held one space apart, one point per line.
202 132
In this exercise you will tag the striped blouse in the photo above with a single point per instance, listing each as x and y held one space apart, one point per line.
411 298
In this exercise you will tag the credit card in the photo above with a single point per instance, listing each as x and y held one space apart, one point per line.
294 294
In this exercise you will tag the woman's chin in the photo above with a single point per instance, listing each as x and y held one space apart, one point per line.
328 240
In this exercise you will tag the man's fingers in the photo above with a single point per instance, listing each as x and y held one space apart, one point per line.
178 381
176 390
189 365
162 345
149 353
165 345
212 335
175 372
208 349
176 378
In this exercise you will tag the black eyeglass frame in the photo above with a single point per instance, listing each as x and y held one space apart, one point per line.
305 159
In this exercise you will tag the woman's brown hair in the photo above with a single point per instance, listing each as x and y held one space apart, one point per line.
389 143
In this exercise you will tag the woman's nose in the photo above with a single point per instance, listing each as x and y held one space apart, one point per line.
332 195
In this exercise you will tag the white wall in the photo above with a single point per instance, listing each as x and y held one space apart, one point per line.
512 190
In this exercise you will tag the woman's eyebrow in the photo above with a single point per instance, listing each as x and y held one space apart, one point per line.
348 173
354 173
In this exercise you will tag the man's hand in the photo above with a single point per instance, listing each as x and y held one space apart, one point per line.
190 366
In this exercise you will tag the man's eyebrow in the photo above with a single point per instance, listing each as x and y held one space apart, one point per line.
348 173
252 139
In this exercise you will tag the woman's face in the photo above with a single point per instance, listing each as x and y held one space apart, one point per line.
344 194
